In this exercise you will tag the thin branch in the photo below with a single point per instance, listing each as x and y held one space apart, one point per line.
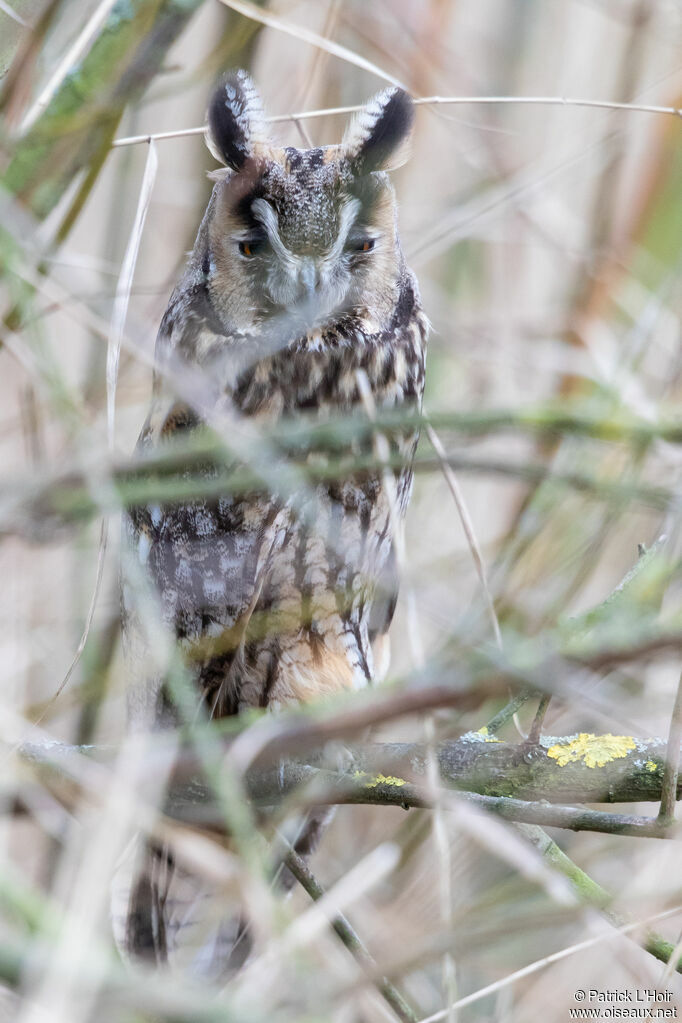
540 964
124 286
672 761
99 573
534 733
114 346
300 115
468 527
339 790
11 13
161 136
304 133
470 534
442 844
563 101
591 893
610 657
350 939
507 713
71 58
305 35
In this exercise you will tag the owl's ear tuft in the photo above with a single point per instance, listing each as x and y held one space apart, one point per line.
378 136
236 122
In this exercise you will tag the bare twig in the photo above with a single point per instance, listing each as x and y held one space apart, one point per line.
99 572
125 283
300 115
555 957
71 58
305 35
114 347
507 712
534 733
468 527
672 761
11 13
338 789
439 824
350 938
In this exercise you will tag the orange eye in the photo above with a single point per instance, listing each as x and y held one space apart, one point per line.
363 245
251 246
355 244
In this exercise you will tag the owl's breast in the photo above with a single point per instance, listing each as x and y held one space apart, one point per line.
273 596
321 369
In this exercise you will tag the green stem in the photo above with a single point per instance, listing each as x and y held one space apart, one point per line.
590 892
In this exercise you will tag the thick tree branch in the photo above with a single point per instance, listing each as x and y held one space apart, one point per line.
631 771
520 783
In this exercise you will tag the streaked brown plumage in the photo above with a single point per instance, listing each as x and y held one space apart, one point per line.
296 298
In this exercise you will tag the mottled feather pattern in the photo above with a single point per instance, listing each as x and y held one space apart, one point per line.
295 292
208 558
236 120
377 138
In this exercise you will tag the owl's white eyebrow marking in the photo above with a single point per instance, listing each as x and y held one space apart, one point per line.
263 212
349 212
266 215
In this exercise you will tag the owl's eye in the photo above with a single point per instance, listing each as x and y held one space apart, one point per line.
251 246
363 244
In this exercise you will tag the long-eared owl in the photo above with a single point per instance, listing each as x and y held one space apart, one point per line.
296 301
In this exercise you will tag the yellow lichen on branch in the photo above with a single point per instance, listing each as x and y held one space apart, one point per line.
380 779
484 734
593 750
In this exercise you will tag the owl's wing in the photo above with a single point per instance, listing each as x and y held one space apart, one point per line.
168 915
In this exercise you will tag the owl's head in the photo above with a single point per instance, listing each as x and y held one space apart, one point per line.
304 233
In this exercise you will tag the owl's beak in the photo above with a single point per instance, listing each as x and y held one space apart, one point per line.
310 299
313 299
308 279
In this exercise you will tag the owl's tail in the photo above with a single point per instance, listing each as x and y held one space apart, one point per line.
166 915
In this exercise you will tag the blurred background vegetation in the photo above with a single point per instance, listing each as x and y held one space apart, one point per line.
548 244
